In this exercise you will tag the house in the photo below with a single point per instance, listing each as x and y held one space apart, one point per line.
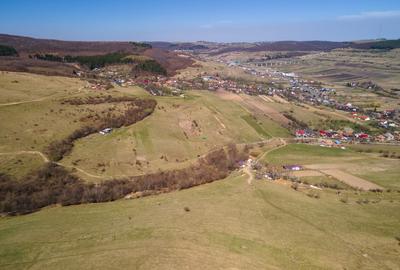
292 167
364 117
362 136
389 136
322 133
105 131
300 133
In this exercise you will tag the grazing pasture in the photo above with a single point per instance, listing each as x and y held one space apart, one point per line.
226 224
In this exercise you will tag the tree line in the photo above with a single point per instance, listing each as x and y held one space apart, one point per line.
53 184
7 51
100 61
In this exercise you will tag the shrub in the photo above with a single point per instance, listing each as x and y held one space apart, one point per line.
141 45
295 186
313 194
8 51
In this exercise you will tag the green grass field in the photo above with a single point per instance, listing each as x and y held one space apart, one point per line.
19 165
230 225
369 166
387 177
256 126
20 87
377 148
307 154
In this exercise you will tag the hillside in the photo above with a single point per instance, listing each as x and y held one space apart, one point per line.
26 47
222 225
304 46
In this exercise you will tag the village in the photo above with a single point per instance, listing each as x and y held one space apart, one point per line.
314 93
300 91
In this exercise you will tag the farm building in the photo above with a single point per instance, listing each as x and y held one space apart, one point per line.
292 167
105 131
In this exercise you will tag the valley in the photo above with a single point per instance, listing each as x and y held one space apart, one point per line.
235 157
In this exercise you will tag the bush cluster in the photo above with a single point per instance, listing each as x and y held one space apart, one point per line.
8 51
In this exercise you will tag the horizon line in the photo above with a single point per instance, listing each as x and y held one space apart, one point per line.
210 41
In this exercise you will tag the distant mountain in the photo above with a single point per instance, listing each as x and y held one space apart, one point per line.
192 46
27 46
380 44
306 46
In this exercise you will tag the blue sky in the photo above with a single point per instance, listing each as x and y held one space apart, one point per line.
213 20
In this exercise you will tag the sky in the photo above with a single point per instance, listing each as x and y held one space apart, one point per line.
209 20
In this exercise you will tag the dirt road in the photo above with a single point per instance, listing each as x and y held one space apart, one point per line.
247 171
282 143
43 156
22 102
38 99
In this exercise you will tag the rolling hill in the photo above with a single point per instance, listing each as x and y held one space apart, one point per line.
27 46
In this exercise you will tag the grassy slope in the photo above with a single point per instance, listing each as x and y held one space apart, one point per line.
231 225
162 134
17 87
32 126
19 165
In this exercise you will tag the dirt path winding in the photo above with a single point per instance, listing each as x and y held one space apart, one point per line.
284 143
38 99
46 160
22 152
